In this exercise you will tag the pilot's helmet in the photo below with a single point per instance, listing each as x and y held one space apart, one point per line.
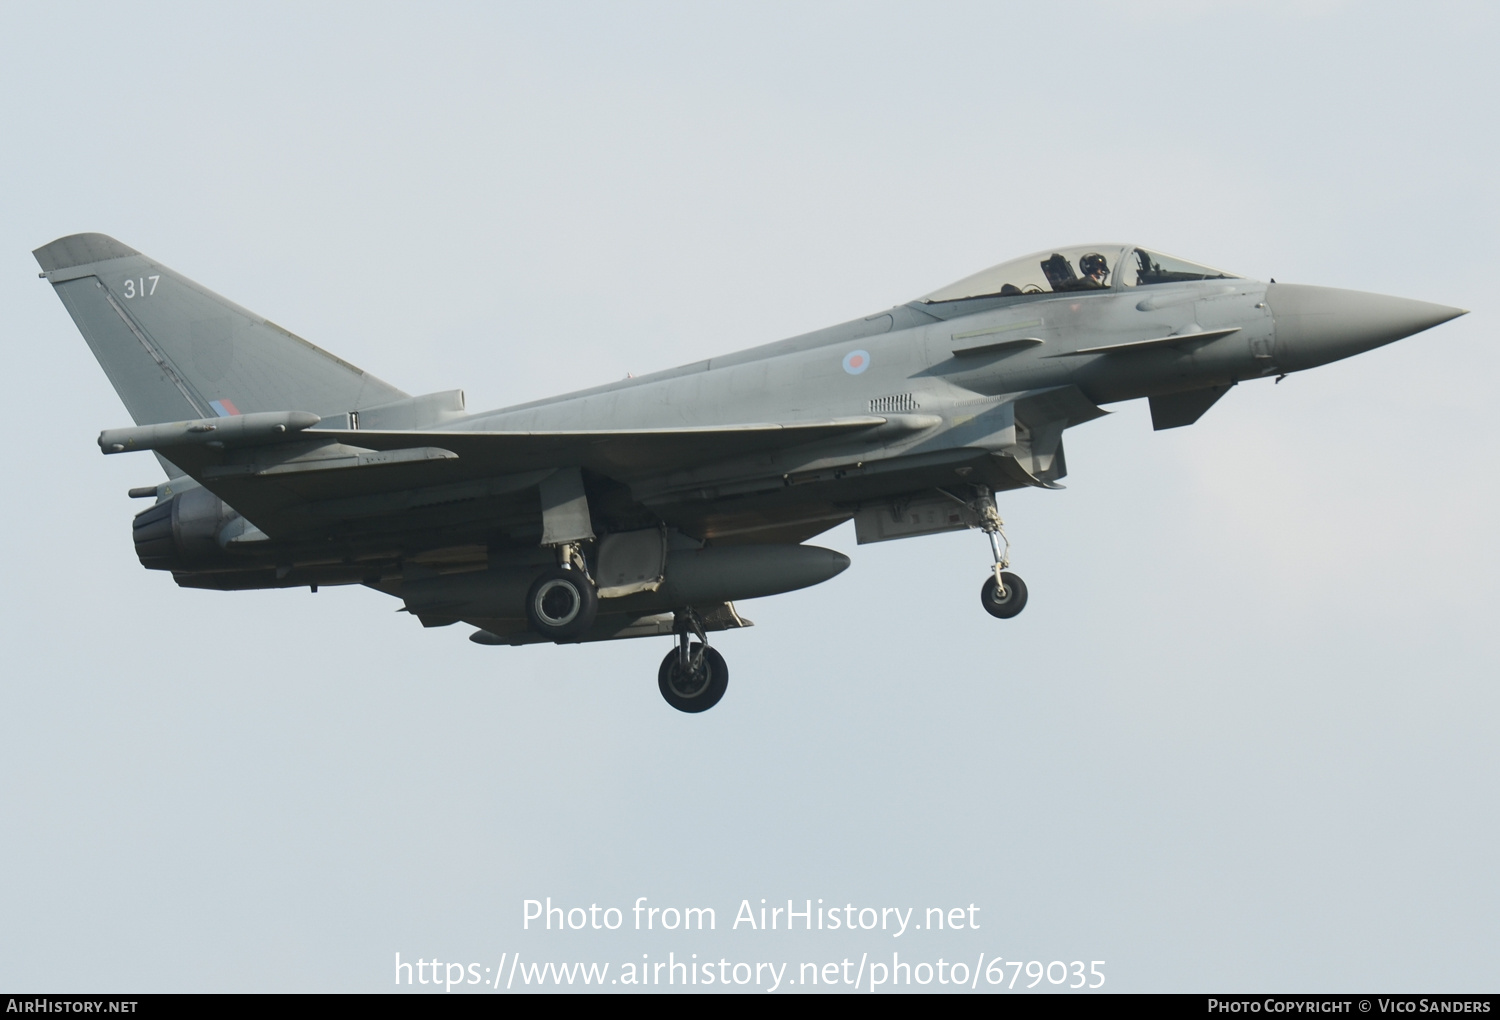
1093 263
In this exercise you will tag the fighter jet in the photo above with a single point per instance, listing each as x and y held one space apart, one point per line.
649 506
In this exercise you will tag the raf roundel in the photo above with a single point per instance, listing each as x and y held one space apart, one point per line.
856 362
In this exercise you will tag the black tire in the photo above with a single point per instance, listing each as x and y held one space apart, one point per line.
561 604
697 693
1012 603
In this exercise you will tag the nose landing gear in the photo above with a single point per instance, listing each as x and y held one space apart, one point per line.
1004 594
693 677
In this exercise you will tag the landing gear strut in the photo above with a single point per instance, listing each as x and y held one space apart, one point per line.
693 676
1004 594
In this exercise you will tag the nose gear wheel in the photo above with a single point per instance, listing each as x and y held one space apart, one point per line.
1004 598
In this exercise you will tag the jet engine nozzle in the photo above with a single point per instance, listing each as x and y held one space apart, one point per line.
1316 325
181 534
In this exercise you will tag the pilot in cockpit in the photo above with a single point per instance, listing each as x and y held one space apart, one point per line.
1095 272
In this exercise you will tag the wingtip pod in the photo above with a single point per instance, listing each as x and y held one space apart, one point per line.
80 250
238 430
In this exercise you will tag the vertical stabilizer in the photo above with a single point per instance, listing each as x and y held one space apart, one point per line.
174 350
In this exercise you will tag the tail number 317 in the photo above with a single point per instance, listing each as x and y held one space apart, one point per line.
138 287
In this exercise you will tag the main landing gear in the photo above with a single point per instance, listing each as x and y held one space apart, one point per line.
693 676
563 601
563 604
1004 594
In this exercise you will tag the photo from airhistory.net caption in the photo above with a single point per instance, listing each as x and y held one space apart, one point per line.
898 963
893 961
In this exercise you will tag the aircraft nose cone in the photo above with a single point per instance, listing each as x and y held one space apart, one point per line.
1316 325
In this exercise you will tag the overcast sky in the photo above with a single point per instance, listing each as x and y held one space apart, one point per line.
1243 736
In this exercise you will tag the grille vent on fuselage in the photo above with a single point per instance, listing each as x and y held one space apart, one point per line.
900 402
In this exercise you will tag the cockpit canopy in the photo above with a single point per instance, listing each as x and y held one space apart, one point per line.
1085 267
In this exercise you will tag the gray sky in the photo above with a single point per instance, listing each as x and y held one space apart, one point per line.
1243 735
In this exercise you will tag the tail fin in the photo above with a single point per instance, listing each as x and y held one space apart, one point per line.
174 350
